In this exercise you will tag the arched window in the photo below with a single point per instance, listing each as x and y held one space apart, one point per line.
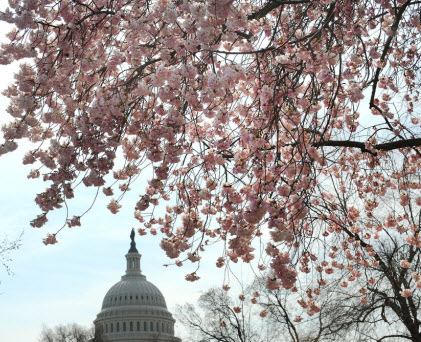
131 297
131 326
157 326
145 326
124 326
151 325
162 327
112 327
138 326
118 327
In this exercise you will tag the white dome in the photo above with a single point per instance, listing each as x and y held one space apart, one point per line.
133 290
134 310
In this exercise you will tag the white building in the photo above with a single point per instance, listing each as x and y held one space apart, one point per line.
134 310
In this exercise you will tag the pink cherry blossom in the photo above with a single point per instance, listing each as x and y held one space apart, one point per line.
114 206
284 123
192 277
263 313
405 264
50 239
406 293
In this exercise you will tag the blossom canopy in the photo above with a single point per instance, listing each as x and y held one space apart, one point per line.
247 112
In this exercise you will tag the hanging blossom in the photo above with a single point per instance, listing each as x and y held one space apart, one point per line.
244 115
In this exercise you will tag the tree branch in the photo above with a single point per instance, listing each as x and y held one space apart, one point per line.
271 5
389 336
389 146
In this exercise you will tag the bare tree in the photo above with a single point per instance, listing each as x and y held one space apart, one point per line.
373 232
6 247
215 318
70 333
335 315
382 314
218 317
285 312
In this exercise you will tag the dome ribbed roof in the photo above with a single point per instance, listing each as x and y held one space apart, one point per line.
133 290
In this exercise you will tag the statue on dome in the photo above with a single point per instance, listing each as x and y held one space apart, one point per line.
132 235
133 248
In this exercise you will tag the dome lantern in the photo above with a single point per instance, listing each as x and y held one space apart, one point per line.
133 258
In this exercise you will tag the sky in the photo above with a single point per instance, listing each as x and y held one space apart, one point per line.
66 282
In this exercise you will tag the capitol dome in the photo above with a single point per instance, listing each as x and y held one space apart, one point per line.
134 309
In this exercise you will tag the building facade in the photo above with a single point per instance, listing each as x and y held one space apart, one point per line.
134 309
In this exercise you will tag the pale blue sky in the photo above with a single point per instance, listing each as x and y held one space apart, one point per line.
66 282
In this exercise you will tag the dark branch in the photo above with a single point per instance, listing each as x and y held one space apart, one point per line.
271 5
389 146
389 336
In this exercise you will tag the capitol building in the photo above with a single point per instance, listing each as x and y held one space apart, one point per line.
134 310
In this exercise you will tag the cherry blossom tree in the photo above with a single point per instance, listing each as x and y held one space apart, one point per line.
243 111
